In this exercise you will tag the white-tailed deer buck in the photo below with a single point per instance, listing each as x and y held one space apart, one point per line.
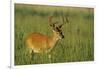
39 43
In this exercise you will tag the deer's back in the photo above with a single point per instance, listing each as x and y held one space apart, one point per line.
37 41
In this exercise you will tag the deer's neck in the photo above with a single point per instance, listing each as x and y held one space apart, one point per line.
53 40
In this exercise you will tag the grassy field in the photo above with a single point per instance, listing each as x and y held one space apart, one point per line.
78 44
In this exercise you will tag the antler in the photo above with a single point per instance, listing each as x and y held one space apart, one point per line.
51 22
65 20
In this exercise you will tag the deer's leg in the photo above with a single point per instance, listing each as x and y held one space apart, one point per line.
49 56
30 53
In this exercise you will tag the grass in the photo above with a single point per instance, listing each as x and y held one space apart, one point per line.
78 44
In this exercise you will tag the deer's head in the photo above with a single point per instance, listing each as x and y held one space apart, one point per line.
57 29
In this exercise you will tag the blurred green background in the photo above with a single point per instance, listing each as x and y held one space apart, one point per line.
78 44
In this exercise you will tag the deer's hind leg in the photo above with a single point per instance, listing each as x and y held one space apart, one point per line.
31 55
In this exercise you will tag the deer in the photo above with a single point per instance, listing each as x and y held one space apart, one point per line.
40 43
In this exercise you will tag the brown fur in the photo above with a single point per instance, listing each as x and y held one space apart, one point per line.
39 43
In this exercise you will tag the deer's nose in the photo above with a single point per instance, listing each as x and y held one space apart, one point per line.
62 36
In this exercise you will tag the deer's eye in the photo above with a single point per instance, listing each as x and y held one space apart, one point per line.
57 32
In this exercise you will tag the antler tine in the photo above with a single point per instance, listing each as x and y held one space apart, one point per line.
63 20
50 20
67 20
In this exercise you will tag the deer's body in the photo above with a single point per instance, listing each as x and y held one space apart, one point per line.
41 43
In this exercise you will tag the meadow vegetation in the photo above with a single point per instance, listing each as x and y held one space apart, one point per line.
78 44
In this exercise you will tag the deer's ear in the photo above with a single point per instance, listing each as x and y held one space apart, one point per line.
51 25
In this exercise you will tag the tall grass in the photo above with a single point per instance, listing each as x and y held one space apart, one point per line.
78 44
